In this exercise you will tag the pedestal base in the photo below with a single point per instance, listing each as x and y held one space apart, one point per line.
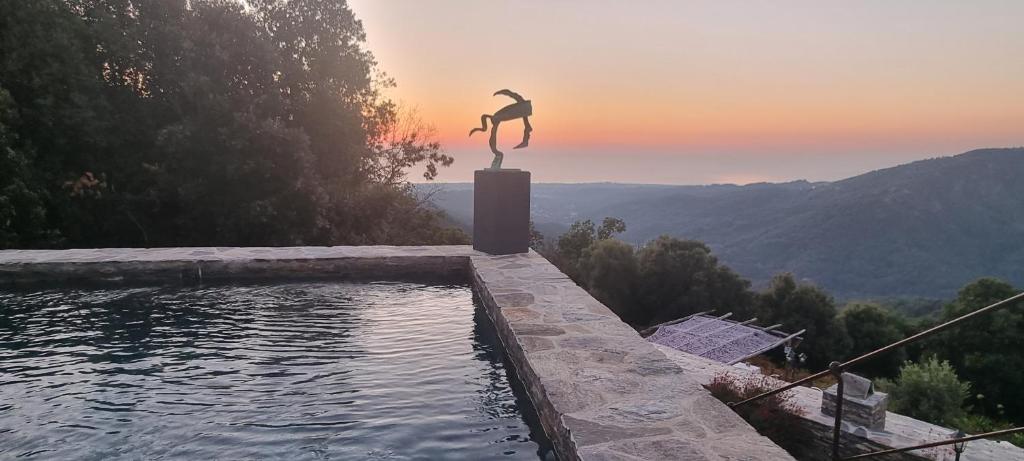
501 211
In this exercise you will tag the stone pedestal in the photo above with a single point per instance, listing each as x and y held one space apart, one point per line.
862 406
501 211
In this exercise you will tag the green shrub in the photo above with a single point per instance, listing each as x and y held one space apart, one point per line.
929 391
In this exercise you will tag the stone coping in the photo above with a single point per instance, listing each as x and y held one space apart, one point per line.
601 391
161 265
900 430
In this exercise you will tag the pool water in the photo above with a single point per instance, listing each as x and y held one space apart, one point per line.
395 371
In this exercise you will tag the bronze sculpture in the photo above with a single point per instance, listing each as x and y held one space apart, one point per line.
522 108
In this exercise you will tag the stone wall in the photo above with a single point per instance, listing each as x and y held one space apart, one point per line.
868 412
168 265
817 446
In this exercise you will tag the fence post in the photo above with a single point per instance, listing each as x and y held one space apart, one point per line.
837 370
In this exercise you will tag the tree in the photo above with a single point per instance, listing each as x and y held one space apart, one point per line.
55 114
681 277
666 279
611 272
869 327
987 350
610 227
573 244
22 216
205 122
606 267
399 140
798 307
929 391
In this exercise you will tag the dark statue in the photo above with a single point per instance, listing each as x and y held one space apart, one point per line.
522 108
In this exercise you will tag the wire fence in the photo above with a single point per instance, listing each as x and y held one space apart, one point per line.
837 368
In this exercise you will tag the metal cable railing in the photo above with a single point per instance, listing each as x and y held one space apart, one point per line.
836 369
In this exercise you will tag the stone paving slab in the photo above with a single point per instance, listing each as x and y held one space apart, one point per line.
601 391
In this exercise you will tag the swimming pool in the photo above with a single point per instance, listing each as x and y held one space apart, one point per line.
306 370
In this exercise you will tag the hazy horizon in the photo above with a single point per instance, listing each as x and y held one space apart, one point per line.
445 176
696 93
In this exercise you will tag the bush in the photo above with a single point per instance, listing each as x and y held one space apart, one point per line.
929 391
775 417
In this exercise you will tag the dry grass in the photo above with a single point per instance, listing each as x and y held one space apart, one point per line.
775 417
769 368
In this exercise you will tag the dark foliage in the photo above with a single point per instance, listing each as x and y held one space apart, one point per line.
663 280
612 274
572 246
986 351
805 307
682 277
868 327
203 122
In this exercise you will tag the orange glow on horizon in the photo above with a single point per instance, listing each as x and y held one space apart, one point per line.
812 77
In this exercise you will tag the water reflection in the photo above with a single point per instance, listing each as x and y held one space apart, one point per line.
503 397
296 371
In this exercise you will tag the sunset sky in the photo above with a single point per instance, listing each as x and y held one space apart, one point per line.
706 92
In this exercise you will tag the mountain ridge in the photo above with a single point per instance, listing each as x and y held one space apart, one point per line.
923 228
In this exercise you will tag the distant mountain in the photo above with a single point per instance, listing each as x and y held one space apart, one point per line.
921 229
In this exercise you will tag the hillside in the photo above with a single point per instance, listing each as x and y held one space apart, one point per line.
920 229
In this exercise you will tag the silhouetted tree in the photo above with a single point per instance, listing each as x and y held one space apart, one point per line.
802 306
869 327
22 216
573 244
681 277
204 122
987 350
611 273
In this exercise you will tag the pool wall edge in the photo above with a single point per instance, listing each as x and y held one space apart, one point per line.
600 390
